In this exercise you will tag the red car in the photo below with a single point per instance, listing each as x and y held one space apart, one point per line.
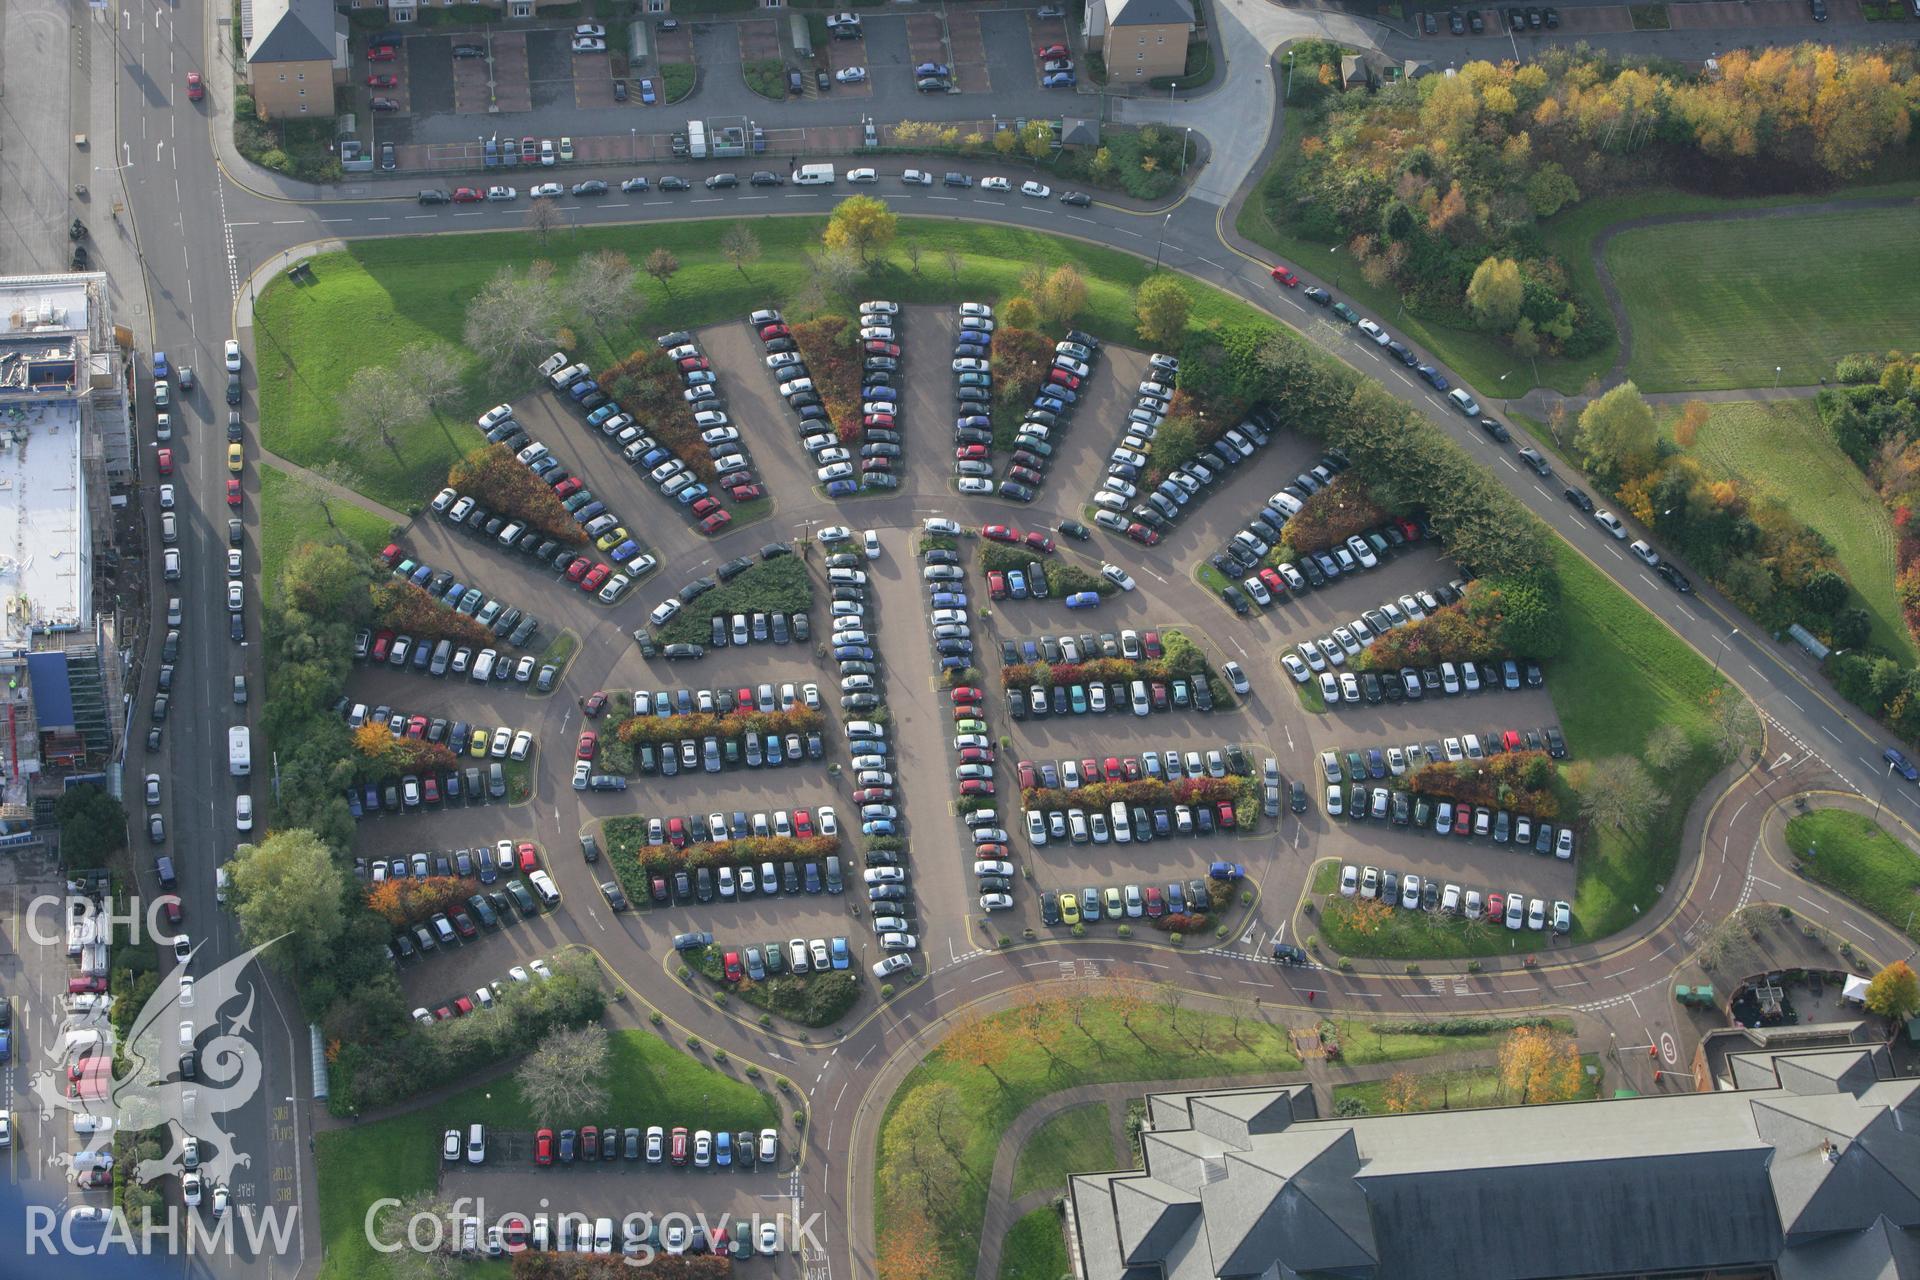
588 744
1052 51
873 795
967 693
875 347
1089 769
1130 769
529 149
1408 529
1039 542
1223 811
165 458
991 851
85 986
971 451
463 1006
578 569
382 642
677 832
996 584
689 363
529 857
1285 277
233 493
568 487
543 1146
877 420
595 578
1071 381
679 1146
1000 533
768 332
1496 906
1511 740
1142 534
746 492
1271 579
1027 779
430 793
382 80
1462 819
967 711
731 962
1156 905
196 87
802 824
976 755
1150 641
743 701
382 53
466 195
1110 769
976 787
595 704
705 506
716 522
390 555
417 727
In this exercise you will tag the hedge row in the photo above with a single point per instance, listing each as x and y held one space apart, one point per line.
779 585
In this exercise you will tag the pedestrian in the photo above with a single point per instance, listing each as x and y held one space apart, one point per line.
1310 996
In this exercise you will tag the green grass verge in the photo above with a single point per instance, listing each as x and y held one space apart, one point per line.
1621 673
380 295
561 651
1078 1140
1158 1046
650 1082
1860 860
1459 1090
766 77
1649 17
677 80
1361 1043
1035 1248
1781 449
1721 304
290 515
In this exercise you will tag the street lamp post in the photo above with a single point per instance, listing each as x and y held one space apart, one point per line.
1185 138
1725 648
1289 93
1776 375
1160 243
1881 795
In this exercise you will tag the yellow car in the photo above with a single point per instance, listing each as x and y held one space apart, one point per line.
610 539
478 746
1069 908
566 149
234 458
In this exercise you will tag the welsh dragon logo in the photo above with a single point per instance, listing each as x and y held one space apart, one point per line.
148 1092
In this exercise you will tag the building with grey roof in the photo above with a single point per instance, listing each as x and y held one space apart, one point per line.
1140 39
1809 1169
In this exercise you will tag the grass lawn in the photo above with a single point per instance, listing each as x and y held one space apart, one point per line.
1861 860
1459 1090
1078 1140
1622 672
380 295
650 1082
290 516
1782 449
1361 1044
1035 1248
1159 1045
1721 304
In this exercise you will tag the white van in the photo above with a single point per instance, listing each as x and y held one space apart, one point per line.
483 666
603 1235
93 960
1122 829
221 882
813 175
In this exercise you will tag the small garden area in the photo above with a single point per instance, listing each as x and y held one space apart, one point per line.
766 77
780 585
300 149
810 999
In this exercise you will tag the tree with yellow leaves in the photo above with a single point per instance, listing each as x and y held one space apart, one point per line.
861 225
1894 992
979 1041
1538 1064
1402 1093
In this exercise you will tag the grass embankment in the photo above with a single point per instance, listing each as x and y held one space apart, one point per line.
1481 358
290 515
1722 304
1621 674
1459 1090
1782 450
1078 1140
1859 860
1035 1248
649 1082
380 295
1159 1045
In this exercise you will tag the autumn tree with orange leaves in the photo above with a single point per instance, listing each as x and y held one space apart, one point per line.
1539 1064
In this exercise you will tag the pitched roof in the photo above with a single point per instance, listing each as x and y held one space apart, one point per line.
1149 13
291 31
1884 1251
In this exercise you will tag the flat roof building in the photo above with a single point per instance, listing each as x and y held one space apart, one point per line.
1807 1169
64 439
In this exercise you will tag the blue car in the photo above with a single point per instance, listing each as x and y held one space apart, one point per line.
878 827
1084 600
841 959
841 488
160 367
723 1148
624 552
1899 762
646 92
353 801
921 71
583 388
687 495
879 393
1433 377
1058 80
604 412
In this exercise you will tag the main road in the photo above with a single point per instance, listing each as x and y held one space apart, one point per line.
199 231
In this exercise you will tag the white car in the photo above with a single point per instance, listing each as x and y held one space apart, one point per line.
1119 577
502 193
166 497
547 189
1611 523
862 175
976 310
941 525
917 178
851 75
836 533
242 813
1349 880
1036 827
1375 332
593 29
233 355
1295 668
1035 190
191 1187
870 543
582 770
589 44
973 484
995 184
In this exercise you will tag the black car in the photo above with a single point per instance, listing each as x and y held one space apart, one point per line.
1456 23
1675 579
1428 23
1579 498
671 183
1287 953
434 195
767 178
1818 8
1078 199
1475 23
469 51
591 187
233 388
1495 429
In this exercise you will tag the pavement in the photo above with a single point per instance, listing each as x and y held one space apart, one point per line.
209 227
